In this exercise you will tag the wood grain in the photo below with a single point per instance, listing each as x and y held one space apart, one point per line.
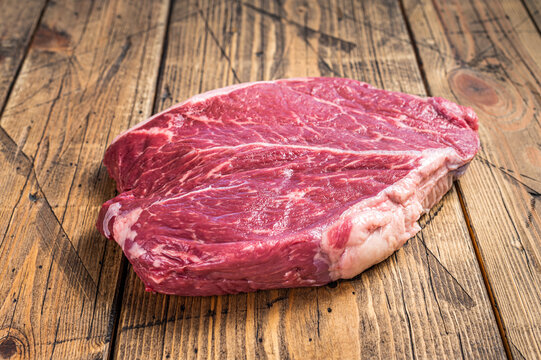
91 70
486 54
18 20
427 301
534 8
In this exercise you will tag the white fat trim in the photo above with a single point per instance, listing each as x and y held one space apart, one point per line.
122 228
382 224
112 211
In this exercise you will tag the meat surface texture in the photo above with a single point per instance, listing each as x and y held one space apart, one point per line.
283 183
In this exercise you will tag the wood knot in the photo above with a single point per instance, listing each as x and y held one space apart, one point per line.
10 347
499 104
477 90
13 344
51 39
33 196
301 9
533 154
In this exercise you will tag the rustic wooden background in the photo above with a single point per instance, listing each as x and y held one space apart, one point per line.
74 74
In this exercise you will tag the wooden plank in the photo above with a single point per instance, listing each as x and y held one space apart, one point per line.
18 20
534 8
91 70
427 301
487 54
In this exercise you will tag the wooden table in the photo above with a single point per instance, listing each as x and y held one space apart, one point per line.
74 74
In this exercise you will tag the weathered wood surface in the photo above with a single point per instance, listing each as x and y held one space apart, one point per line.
18 20
426 301
534 9
91 69
75 74
486 54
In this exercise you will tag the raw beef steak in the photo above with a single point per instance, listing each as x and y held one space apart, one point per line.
281 183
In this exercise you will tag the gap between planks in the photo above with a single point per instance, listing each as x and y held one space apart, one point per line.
117 307
482 267
123 276
488 286
23 58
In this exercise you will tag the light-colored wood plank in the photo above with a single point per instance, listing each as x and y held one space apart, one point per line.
426 301
534 8
487 54
91 70
18 20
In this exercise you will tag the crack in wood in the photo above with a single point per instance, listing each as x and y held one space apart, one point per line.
52 234
508 174
467 300
222 50
431 283
116 65
305 30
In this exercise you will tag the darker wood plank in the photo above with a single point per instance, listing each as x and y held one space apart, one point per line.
18 20
485 54
90 71
426 301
